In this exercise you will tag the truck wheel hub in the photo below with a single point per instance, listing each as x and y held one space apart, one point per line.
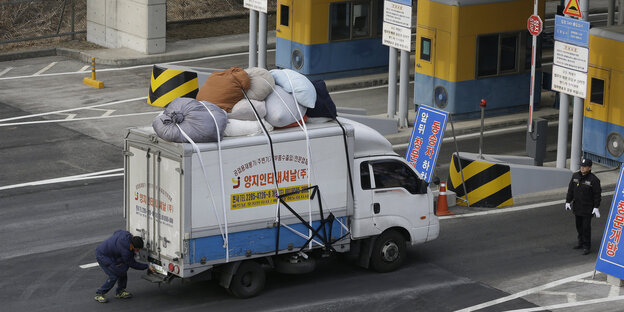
390 252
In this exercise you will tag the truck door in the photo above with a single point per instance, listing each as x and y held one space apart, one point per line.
399 197
153 211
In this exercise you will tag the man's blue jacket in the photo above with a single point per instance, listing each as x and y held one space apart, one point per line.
115 253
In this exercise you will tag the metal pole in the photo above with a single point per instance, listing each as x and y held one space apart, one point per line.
621 13
562 138
461 171
403 85
610 12
253 32
482 104
262 41
392 81
577 118
532 80
73 19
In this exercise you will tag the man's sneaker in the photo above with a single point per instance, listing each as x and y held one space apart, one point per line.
100 298
123 295
579 246
585 251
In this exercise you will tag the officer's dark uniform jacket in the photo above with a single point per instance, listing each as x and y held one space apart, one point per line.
585 191
115 253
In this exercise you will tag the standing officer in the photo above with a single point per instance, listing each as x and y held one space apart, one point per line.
583 199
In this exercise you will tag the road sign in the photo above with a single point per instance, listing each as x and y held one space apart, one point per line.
573 8
610 257
570 56
534 25
257 5
571 30
569 81
426 139
397 24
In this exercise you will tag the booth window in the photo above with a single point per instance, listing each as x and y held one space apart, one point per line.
350 20
361 20
597 91
497 54
284 15
339 19
425 49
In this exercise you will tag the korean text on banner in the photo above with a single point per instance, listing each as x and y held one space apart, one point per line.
426 139
611 258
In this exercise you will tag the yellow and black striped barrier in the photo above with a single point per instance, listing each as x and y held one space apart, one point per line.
487 184
167 84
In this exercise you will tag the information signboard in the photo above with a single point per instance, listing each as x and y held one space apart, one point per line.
397 25
569 81
572 31
611 257
257 5
571 56
426 139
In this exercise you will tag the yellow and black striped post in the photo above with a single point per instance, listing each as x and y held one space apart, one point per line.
167 84
487 184
92 81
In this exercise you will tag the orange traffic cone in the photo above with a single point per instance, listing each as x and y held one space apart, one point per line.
442 209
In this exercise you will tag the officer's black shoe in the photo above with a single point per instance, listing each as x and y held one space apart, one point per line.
585 251
577 246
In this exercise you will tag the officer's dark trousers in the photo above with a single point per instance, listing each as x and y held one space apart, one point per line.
583 228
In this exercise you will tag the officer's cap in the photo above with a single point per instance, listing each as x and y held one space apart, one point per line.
586 162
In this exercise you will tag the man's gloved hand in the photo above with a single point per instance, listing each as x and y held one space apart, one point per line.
596 212
568 206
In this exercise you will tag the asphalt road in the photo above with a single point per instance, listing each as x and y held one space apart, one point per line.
48 231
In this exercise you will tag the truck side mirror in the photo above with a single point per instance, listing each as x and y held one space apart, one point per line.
435 180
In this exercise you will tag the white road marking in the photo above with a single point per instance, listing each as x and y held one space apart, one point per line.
569 305
614 291
73 109
6 70
363 89
75 119
527 292
570 295
84 69
107 112
45 69
133 67
88 265
78 177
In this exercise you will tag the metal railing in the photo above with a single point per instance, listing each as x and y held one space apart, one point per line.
27 20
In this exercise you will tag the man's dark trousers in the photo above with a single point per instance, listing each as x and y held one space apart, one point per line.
583 227
113 278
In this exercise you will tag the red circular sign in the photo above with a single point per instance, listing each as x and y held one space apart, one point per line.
534 25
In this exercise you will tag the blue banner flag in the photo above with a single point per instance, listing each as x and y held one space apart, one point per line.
426 139
611 258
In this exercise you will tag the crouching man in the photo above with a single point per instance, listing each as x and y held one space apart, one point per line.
115 256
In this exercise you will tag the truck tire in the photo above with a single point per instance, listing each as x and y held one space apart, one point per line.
388 252
248 281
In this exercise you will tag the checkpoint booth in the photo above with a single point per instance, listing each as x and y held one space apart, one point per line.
468 50
330 38
603 120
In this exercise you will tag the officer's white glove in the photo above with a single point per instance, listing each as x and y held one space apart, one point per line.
596 212
568 206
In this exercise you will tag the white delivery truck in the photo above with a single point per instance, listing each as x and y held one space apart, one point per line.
212 210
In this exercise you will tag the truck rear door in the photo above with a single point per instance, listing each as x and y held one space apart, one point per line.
153 183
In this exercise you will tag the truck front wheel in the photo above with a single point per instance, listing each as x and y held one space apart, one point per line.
248 281
388 252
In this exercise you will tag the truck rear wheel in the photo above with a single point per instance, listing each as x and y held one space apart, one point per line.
248 281
388 252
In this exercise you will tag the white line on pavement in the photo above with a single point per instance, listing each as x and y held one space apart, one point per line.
526 292
88 265
73 109
79 177
6 70
84 69
45 69
74 119
570 305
